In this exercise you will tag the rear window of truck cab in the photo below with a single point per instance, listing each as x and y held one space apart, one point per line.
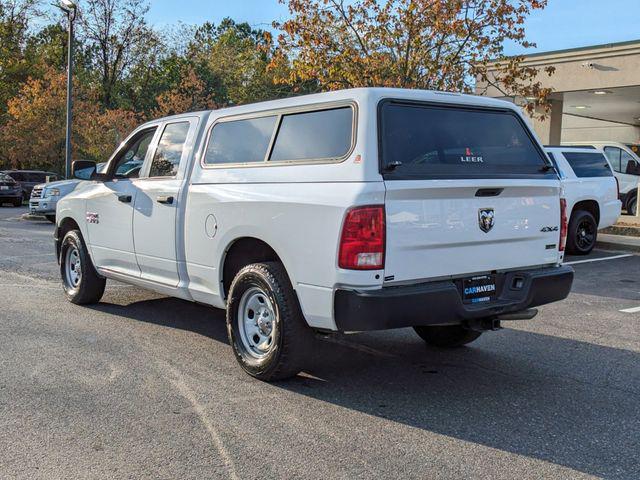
304 136
431 141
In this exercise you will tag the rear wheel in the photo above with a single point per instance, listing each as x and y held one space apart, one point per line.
17 202
266 329
80 281
583 233
447 336
632 206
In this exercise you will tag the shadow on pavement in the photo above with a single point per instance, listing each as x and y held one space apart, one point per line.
611 279
558 400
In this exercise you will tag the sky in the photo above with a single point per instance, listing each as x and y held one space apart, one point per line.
563 24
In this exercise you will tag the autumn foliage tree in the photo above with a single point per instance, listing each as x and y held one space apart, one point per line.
33 136
425 44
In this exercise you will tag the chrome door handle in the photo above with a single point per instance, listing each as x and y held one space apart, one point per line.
165 199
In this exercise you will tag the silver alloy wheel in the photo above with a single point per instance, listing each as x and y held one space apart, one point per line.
256 322
73 268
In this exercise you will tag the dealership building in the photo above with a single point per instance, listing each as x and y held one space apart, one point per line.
596 93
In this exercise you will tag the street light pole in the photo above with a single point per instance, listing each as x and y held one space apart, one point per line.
71 9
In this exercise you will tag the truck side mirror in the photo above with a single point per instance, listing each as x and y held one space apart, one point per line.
83 169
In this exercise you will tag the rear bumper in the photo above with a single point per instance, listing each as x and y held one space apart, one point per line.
610 213
440 303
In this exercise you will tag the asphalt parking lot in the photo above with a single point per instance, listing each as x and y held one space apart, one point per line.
144 386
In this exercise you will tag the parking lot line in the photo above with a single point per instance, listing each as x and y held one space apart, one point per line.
599 259
631 310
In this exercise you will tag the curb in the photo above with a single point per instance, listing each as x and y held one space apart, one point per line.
619 242
617 246
33 218
623 230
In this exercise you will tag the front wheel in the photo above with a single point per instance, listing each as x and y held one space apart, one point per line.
17 202
583 233
447 336
80 281
268 334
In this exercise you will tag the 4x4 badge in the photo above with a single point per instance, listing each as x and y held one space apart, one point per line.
485 219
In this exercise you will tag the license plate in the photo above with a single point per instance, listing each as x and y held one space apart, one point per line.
4 187
479 289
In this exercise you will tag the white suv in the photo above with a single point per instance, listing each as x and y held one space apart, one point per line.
626 166
591 192
344 211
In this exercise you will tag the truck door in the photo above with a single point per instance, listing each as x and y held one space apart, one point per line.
155 219
619 160
109 206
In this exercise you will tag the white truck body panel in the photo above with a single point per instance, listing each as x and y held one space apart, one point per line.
433 229
298 209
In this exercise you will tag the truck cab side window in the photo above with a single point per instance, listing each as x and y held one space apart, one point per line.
166 160
130 161
613 155
628 164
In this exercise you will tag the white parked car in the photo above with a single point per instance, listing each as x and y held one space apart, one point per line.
591 192
626 167
345 211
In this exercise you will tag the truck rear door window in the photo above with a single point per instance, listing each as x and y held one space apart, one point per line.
240 141
166 160
588 164
323 134
426 141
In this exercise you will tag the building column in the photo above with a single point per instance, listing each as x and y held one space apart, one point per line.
550 129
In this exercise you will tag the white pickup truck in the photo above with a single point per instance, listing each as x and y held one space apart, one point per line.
346 211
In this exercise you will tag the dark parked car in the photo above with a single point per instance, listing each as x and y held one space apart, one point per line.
30 178
10 191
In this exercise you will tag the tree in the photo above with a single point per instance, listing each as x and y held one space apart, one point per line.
15 24
34 135
190 95
234 60
425 44
117 33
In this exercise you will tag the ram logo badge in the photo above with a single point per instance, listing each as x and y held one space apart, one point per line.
486 219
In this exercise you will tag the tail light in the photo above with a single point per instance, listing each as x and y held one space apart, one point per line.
564 226
363 238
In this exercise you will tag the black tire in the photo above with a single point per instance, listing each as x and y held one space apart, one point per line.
51 218
290 336
447 336
17 202
582 234
90 286
632 205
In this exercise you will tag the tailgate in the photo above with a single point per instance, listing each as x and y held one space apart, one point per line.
447 230
468 190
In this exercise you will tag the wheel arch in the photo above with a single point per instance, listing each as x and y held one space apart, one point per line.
588 205
63 227
243 251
